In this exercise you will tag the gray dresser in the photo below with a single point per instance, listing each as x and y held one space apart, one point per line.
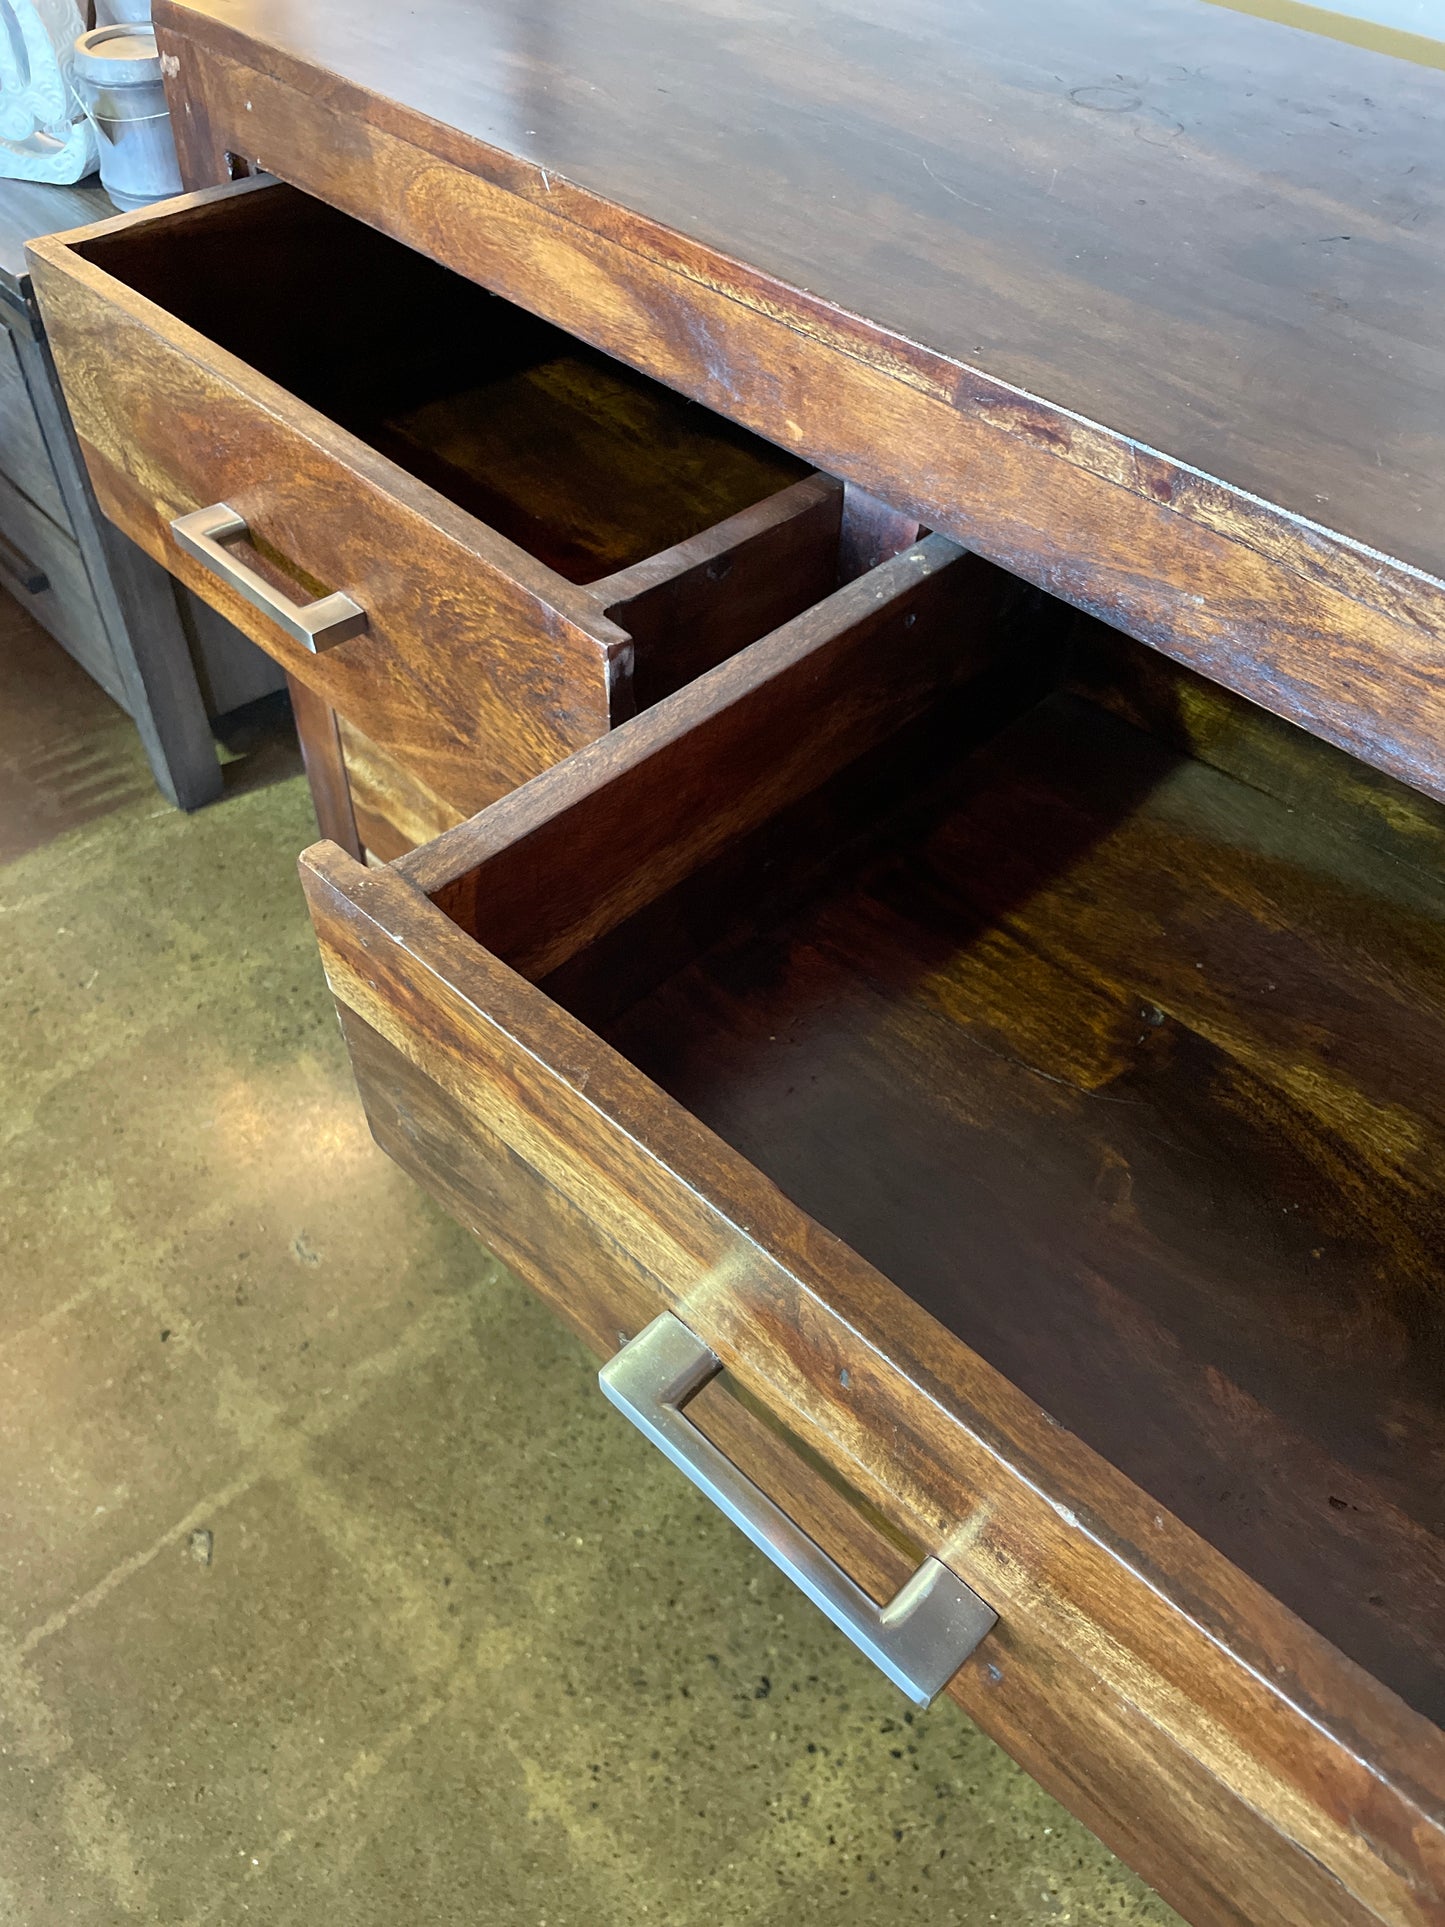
167 659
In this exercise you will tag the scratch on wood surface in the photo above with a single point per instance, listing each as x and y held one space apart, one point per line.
952 190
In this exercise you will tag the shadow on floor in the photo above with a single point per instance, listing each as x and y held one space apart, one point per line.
69 754
257 745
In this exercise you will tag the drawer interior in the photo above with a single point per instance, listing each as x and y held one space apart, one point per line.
1118 1042
587 465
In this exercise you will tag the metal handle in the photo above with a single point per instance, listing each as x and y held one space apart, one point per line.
316 625
21 570
925 1632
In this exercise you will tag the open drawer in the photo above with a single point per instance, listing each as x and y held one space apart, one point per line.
476 540
1042 1127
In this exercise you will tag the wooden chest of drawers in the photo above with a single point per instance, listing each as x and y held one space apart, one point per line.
1006 1057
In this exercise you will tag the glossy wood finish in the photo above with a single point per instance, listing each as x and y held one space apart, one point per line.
1199 719
966 1029
1133 1079
1135 302
1114 1676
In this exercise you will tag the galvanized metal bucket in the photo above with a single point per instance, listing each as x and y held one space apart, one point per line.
118 80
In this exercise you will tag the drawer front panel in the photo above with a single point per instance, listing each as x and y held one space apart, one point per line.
1045 1707
32 548
463 672
24 458
433 508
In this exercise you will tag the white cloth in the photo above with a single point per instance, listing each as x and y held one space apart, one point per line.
44 135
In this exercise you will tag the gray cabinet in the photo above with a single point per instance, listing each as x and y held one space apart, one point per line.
166 659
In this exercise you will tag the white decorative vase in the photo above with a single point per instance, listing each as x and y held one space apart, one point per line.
44 135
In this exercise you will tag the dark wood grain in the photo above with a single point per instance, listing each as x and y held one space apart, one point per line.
1156 1058
166 428
394 811
581 462
1136 361
1135 1081
872 531
1090 1744
694 605
1136 304
1202 720
721 757
905 170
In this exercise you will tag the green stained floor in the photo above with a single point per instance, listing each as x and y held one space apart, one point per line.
331 1589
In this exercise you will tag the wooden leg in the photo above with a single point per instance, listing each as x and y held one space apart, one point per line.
325 767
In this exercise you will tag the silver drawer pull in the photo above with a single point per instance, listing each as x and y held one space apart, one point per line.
925 1632
316 625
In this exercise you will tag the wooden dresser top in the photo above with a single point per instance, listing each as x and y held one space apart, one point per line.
1220 236
1141 299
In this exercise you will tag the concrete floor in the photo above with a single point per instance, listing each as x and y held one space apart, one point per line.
332 1590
